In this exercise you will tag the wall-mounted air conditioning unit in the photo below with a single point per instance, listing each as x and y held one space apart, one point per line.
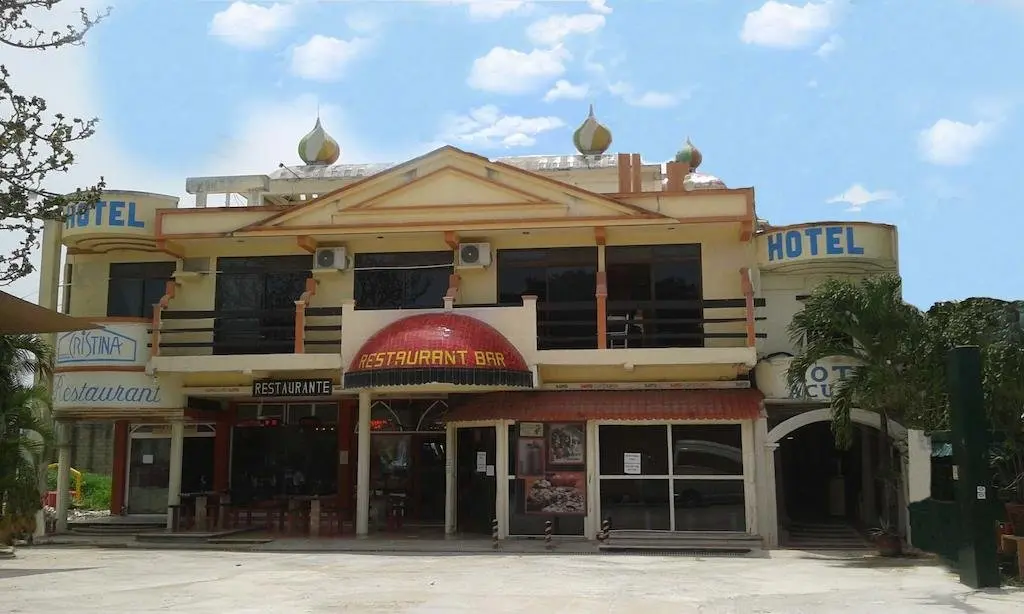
330 259
473 256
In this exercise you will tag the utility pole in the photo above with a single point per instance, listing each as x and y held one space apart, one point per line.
979 565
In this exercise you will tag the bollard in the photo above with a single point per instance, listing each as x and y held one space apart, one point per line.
494 534
547 534
606 527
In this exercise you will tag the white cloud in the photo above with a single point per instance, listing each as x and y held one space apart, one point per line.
953 143
324 58
486 10
508 71
553 30
564 90
857 196
363 22
834 43
599 6
488 127
251 26
788 26
650 99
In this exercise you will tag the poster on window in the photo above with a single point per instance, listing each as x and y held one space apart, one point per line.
566 444
561 493
530 457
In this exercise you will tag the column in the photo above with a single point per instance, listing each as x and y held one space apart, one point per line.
592 524
49 287
449 479
764 453
501 474
174 477
63 473
119 468
869 510
363 466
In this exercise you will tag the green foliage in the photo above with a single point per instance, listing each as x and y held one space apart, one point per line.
96 489
900 357
24 431
34 140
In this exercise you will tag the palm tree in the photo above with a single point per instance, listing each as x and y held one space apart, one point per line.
24 430
867 323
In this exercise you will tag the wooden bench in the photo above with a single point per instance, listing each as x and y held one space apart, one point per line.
1015 543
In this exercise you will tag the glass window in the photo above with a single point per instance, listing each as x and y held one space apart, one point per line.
402 280
710 505
134 287
616 441
657 290
256 297
564 280
636 504
707 449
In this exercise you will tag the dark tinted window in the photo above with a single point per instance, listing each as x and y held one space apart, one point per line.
134 288
402 280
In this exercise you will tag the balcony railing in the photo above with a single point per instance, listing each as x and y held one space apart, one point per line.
257 331
647 324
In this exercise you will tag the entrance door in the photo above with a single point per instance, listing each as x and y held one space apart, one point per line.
149 473
476 482
427 504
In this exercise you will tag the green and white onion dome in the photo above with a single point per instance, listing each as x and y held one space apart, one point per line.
689 154
318 147
592 138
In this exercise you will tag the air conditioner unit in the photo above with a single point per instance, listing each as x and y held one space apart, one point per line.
330 259
473 255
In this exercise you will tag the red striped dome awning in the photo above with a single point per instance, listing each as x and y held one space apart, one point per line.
438 348
569 406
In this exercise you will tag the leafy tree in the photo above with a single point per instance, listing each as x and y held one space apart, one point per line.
34 143
24 432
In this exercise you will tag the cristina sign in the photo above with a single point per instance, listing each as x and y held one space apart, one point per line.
130 390
826 241
114 344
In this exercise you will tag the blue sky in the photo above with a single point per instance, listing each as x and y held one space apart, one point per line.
899 111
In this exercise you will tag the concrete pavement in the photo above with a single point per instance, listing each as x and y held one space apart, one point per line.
83 581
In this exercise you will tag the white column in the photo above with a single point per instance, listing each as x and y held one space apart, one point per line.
919 466
200 200
449 479
49 288
764 480
63 474
592 523
174 475
501 474
363 466
869 511
749 476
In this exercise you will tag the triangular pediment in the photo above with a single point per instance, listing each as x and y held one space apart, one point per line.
449 184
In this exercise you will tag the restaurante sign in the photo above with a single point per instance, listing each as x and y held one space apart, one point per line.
128 390
431 358
322 387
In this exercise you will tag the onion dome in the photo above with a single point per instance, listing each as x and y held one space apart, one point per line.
318 147
702 181
689 155
592 138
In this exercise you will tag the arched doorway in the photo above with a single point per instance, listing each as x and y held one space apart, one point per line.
824 497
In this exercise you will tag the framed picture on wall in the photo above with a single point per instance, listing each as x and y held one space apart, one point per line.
567 444
561 493
530 457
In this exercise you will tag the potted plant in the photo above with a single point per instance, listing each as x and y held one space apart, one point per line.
887 539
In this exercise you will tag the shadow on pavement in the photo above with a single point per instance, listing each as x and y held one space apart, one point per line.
6 574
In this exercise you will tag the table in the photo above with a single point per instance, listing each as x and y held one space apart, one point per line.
1015 543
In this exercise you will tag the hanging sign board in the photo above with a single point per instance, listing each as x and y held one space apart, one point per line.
278 388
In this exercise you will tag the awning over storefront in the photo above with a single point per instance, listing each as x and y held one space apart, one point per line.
20 317
611 405
438 348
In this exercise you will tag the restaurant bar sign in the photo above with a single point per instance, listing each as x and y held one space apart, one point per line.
438 348
280 388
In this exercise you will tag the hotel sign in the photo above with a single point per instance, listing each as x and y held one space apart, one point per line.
321 387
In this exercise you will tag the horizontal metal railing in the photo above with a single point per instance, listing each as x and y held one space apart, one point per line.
256 331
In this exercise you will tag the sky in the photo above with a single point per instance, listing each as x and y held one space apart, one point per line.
899 111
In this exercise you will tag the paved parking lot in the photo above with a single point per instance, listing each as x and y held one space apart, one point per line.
47 580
